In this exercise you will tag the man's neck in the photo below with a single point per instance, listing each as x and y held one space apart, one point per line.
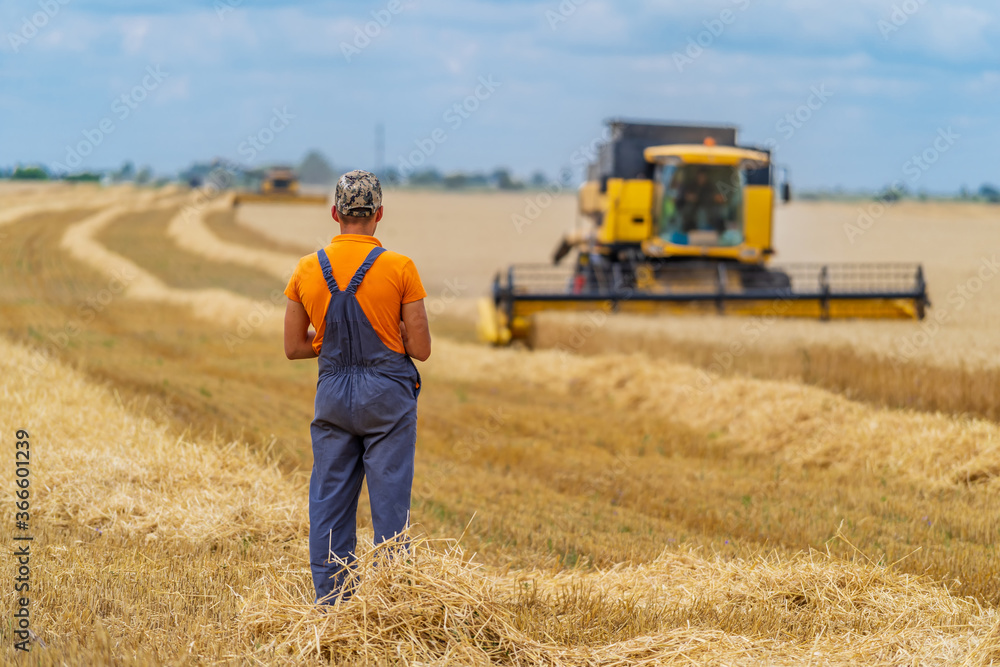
361 230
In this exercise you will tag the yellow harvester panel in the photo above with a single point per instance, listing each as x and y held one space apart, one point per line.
758 209
629 218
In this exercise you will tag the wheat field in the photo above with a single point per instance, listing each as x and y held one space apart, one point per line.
627 503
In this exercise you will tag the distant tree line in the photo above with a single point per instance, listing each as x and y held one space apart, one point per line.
987 192
890 194
316 170
126 173
500 178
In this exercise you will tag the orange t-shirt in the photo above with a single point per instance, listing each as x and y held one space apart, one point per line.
391 282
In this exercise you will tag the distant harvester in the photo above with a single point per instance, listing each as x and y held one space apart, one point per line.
279 185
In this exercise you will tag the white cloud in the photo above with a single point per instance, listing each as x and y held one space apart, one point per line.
133 31
958 32
177 87
594 23
986 82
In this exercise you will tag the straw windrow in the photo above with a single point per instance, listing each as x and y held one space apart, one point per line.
437 607
201 550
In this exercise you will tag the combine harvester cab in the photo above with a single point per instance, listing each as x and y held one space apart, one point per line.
681 223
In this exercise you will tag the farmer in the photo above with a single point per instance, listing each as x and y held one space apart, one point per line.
698 201
365 305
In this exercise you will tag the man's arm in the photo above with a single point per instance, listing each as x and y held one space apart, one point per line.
298 338
415 330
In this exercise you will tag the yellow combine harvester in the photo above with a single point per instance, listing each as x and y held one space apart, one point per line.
682 223
279 185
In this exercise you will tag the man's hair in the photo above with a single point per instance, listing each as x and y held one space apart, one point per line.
348 219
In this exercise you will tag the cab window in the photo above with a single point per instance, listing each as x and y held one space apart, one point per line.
700 204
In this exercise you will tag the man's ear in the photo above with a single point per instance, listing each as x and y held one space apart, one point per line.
378 214
336 216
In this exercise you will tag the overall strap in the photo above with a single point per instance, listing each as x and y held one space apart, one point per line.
324 263
363 269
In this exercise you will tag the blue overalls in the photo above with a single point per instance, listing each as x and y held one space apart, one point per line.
365 425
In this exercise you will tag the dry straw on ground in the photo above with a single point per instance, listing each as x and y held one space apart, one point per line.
435 607
737 346
153 548
211 304
24 204
800 424
190 232
98 465
103 467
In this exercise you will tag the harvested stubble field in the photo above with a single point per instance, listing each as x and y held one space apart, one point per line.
604 512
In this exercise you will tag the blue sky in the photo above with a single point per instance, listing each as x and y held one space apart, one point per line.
892 75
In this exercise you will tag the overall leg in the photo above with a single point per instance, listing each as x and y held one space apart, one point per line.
388 464
334 487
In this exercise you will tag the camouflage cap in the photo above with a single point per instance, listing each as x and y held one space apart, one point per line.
359 193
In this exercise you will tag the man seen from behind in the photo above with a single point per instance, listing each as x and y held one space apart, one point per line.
359 308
